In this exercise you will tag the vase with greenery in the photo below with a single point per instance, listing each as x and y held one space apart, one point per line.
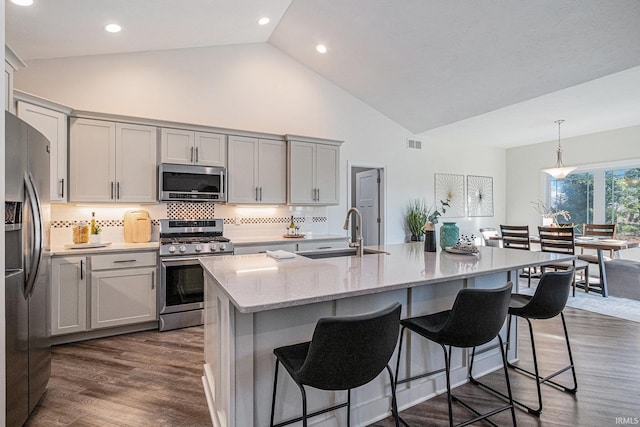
429 227
550 215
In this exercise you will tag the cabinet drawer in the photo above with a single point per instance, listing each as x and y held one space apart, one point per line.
258 249
124 260
331 244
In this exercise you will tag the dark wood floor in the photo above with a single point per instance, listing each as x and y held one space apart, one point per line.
153 379
140 379
606 352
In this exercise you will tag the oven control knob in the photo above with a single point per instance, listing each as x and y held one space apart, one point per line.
198 248
183 248
222 246
214 247
172 249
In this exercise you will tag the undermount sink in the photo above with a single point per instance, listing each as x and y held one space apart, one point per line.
335 253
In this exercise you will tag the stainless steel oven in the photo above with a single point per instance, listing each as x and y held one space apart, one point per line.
182 243
182 293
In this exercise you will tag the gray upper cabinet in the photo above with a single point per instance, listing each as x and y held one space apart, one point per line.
257 171
314 171
186 147
112 162
52 123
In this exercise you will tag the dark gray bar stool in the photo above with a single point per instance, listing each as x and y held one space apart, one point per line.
476 318
547 302
344 353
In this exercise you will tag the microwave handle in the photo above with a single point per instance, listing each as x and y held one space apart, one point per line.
222 189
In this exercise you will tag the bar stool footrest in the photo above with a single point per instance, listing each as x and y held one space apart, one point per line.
547 379
522 406
479 416
318 412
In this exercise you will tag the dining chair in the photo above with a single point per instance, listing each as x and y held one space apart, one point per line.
561 240
603 231
517 237
487 233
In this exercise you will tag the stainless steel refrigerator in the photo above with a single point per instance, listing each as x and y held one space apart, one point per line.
27 268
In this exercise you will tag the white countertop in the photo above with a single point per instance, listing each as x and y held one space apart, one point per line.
258 282
252 240
114 247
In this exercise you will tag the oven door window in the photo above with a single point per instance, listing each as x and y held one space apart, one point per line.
184 284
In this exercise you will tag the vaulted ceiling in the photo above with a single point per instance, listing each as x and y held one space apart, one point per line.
494 72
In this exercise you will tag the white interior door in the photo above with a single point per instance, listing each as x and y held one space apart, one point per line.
368 203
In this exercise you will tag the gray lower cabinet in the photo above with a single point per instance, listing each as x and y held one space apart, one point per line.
68 295
102 291
123 289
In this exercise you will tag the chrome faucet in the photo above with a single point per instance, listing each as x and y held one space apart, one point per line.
358 243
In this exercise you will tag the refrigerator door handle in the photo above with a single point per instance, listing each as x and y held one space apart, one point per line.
36 212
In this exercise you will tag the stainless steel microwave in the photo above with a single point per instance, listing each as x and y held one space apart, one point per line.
191 183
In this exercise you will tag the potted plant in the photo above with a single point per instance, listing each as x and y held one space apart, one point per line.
415 218
95 235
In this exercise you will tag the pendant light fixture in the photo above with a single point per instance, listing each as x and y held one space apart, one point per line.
559 170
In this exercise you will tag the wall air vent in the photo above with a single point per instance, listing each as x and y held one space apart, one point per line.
414 143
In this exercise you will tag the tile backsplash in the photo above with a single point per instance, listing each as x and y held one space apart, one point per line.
239 221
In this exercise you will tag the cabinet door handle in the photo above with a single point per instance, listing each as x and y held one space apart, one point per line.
124 260
197 155
260 193
81 270
62 187
257 194
153 280
118 190
112 189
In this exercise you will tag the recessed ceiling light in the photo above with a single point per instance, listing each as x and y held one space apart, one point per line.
113 28
264 21
321 48
22 2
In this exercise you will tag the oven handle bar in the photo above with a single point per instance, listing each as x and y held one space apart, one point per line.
179 259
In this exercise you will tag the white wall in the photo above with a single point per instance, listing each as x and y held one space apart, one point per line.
526 181
256 87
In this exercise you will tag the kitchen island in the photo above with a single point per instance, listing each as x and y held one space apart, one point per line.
255 303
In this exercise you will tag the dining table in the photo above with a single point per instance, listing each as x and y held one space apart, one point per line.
600 245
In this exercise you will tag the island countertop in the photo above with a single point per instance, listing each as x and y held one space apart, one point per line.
258 282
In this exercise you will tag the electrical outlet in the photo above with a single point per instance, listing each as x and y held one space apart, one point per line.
238 220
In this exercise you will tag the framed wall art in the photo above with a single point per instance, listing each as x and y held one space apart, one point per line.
451 187
479 195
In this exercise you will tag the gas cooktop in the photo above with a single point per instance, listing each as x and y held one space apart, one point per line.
179 237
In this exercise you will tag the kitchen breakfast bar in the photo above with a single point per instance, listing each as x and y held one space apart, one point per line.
255 303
